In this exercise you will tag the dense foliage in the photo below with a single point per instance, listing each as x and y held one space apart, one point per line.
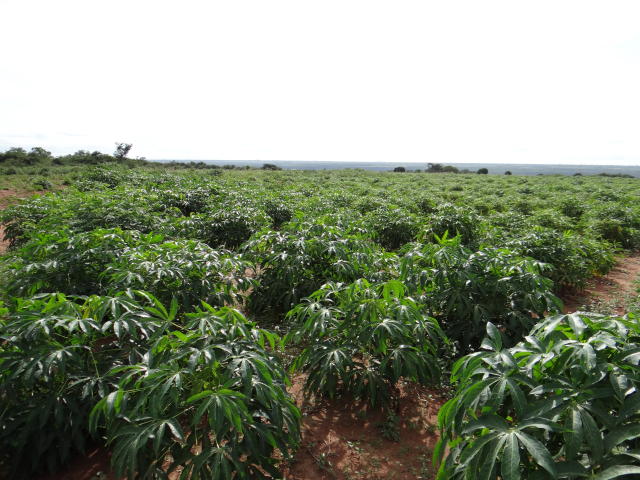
362 338
467 289
143 308
564 403
54 364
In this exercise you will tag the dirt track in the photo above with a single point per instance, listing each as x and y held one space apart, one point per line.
612 288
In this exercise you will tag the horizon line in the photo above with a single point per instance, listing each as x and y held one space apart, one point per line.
393 161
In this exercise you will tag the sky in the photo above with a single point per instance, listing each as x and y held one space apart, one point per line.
425 81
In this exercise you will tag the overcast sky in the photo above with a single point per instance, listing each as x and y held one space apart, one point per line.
446 81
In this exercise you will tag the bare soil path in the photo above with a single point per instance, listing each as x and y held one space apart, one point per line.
612 289
343 440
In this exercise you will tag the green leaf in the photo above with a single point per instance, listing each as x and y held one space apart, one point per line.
592 434
489 459
510 461
617 472
494 334
621 434
198 396
574 435
539 452
493 422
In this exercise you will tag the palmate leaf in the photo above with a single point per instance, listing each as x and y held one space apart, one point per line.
362 337
574 404
227 392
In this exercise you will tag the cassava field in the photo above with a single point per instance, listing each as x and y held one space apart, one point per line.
229 324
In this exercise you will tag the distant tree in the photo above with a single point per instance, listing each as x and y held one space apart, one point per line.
508 172
399 169
270 166
482 171
122 150
434 167
450 169
39 153
17 156
16 152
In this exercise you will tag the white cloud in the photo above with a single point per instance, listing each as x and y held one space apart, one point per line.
368 80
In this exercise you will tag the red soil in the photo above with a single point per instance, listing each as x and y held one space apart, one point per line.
612 288
342 439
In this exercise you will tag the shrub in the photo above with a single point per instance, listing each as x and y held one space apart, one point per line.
278 211
574 258
228 227
187 270
188 200
614 230
108 177
617 223
42 184
63 262
107 261
571 208
561 404
426 204
294 264
551 219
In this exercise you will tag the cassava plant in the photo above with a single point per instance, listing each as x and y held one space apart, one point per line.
361 338
55 355
562 404
293 264
207 402
186 270
465 290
